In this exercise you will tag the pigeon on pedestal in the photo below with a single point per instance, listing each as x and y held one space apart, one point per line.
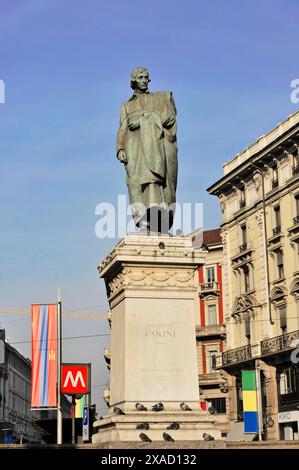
140 407
158 407
118 411
173 426
185 407
142 426
144 437
208 437
167 437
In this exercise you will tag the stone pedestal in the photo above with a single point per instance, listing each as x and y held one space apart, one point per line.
151 286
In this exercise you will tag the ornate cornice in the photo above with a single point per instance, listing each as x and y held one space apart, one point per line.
149 277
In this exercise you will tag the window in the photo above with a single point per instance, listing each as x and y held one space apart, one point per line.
212 315
247 329
219 404
242 197
212 359
279 263
277 216
244 233
296 219
210 273
287 381
246 279
275 176
282 311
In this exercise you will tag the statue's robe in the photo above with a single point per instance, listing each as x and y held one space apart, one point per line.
151 149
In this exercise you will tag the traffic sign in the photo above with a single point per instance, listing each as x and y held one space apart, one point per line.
75 379
85 424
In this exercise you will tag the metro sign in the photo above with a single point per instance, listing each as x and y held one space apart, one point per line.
75 379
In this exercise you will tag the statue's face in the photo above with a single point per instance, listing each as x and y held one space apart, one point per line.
142 81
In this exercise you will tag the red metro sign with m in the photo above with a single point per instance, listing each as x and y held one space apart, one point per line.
75 379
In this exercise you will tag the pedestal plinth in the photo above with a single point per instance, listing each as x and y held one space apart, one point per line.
151 287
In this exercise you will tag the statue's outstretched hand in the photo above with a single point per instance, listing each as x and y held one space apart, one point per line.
122 157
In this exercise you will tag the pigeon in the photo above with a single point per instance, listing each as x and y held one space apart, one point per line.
173 426
140 407
144 437
118 411
158 407
208 437
142 426
185 407
167 437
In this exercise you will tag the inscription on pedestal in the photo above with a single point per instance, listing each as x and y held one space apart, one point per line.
160 333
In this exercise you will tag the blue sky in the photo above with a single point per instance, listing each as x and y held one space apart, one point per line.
66 66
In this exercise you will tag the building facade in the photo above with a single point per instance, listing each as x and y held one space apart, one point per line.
259 200
210 329
16 419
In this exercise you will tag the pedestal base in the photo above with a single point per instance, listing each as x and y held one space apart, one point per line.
122 428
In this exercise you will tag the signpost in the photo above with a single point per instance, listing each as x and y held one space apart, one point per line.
85 424
75 381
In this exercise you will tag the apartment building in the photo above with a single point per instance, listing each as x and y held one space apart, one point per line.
259 200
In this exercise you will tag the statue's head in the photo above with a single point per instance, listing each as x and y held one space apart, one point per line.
140 79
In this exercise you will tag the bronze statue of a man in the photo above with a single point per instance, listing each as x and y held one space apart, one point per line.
147 145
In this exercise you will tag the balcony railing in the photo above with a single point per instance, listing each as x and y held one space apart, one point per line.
212 376
295 170
280 343
209 286
274 183
210 329
243 247
236 355
296 220
277 230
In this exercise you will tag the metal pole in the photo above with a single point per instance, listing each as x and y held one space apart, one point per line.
259 401
73 419
59 355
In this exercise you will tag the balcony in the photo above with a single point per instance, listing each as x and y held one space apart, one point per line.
211 330
274 183
234 356
275 238
210 378
280 343
207 288
294 230
244 255
243 247
277 230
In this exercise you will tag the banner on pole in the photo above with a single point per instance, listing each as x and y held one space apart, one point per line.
250 412
44 355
